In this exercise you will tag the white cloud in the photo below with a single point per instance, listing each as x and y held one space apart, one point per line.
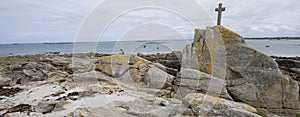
256 28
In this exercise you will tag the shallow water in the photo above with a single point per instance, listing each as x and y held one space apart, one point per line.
289 48
286 48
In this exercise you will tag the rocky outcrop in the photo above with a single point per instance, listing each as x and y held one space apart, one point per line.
289 66
218 75
251 76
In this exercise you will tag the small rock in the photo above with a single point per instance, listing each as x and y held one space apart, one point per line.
80 112
45 107
48 107
4 81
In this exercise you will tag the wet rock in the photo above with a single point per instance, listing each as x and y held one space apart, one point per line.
27 72
9 91
59 63
35 95
20 108
289 63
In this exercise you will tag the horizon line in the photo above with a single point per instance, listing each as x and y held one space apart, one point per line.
70 42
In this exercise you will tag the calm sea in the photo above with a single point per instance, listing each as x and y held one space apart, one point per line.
288 48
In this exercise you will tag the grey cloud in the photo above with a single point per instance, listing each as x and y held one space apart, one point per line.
57 20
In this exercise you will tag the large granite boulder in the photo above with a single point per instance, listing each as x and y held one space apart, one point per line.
251 76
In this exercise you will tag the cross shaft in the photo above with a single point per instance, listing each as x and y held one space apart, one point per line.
220 9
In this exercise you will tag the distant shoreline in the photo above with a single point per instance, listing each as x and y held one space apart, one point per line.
272 38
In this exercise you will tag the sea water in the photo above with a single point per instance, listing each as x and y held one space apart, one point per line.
287 48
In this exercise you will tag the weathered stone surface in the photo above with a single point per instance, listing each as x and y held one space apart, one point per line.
205 105
193 81
48 107
81 65
251 95
223 54
80 112
289 63
16 114
170 60
4 81
34 95
135 70
9 91
118 65
231 112
157 78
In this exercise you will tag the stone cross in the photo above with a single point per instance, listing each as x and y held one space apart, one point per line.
219 10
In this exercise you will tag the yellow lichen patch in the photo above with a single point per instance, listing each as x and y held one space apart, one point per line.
136 75
137 64
117 65
204 57
252 110
229 37
204 101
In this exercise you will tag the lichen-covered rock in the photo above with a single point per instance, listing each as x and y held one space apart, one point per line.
135 70
231 112
118 65
224 54
205 105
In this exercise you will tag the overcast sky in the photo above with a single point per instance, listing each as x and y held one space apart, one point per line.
32 21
